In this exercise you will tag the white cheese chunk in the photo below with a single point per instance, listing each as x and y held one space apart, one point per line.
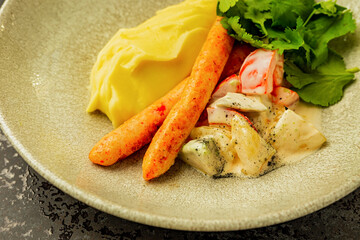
240 102
294 138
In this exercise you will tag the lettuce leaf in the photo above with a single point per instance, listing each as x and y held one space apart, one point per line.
323 86
286 12
302 30
324 29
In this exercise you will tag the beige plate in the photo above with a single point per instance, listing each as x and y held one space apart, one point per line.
47 49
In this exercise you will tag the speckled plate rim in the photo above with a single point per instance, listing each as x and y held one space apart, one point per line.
172 222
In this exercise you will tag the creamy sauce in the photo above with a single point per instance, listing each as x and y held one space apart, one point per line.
283 136
141 64
310 113
268 119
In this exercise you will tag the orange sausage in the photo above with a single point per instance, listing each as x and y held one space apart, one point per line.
167 142
135 132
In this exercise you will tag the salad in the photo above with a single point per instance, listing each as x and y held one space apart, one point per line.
236 113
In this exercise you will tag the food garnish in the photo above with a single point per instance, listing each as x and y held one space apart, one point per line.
302 30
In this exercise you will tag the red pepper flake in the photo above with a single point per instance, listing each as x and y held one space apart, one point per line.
161 109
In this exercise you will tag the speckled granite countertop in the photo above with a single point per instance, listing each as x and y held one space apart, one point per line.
32 208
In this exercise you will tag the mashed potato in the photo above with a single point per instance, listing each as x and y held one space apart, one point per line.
141 64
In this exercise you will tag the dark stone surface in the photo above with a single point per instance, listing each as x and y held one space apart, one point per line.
32 208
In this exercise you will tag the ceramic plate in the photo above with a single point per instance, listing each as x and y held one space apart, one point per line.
47 49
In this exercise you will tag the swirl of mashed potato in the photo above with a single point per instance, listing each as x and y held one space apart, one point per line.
139 65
